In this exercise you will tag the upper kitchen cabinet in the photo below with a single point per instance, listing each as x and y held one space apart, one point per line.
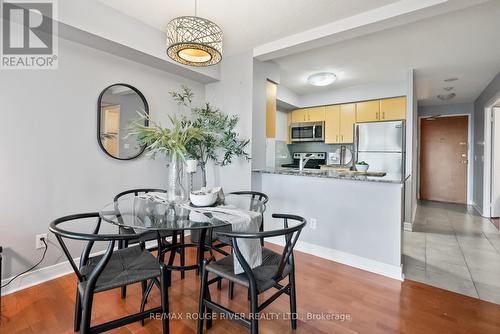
368 111
339 121
347 120
316 114
332 124
393 109
271 90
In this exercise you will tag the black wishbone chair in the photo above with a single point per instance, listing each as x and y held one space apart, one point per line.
111 270
275 268
150 236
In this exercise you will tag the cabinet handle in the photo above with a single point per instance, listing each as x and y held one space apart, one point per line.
383 114
376 115
342 137
337 138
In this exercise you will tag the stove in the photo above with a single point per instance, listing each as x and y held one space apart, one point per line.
311 164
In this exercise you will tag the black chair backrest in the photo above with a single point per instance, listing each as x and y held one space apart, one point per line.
137 192
291 235
255 194
90 238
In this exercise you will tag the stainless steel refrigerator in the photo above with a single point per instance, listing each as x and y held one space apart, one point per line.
382 146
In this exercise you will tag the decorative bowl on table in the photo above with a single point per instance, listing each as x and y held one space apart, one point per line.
362 166
204 197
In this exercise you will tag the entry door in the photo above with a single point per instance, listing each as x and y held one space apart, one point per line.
495 168
443 159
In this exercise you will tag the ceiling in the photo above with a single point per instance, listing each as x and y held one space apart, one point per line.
458 44
248 23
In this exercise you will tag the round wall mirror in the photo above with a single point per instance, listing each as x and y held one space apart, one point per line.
118 108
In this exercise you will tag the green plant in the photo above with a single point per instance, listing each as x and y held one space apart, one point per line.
171 142
363 163
220 142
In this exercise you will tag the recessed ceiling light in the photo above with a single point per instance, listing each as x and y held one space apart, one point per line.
448 88
450 79
322 79
446 97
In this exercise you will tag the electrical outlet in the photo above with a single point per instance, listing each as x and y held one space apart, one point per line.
38 240
312 223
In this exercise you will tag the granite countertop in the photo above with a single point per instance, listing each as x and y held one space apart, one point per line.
332 175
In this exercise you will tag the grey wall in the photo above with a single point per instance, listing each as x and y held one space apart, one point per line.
233 95
446 110
51 162
481 102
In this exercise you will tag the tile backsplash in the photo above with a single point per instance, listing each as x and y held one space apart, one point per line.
316 147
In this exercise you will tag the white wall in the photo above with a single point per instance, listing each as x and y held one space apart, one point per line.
51 162
233 95
483 101
355 93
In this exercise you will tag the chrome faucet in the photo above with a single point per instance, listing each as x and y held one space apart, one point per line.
304 159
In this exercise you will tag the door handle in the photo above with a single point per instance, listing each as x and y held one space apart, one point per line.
464 161
464 155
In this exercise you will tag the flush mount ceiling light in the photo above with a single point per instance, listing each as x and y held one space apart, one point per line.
194 41
322 79
446 97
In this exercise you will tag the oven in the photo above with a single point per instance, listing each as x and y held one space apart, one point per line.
302 132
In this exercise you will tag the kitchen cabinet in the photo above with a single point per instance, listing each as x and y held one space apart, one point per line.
393 109
368 111
347 120
289 132
339 121
271 90
316 114
332 124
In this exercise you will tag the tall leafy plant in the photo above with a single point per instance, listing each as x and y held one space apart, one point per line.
220 142
170 141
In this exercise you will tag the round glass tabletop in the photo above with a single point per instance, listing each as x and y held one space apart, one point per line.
152 212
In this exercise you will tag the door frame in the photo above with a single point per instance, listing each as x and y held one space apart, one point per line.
488 150
470 127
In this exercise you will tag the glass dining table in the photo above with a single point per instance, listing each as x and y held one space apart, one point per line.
152 215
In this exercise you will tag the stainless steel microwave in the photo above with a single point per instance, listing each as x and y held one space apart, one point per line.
314 131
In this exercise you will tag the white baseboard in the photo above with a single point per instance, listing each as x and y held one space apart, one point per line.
407 226
478 209
395 272
45 274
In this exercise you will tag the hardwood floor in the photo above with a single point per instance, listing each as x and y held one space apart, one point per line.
374 304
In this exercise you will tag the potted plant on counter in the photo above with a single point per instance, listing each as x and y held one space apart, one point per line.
362 166
220 142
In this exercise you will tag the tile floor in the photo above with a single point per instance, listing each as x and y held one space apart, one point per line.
454 248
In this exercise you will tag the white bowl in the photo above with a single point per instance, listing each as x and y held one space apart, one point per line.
199 198
362 168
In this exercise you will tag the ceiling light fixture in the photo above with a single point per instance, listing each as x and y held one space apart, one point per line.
446 97
194 41
322 79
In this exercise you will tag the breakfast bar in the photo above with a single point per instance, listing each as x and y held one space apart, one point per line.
352 219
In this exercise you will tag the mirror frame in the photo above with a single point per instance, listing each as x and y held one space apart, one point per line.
146 110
